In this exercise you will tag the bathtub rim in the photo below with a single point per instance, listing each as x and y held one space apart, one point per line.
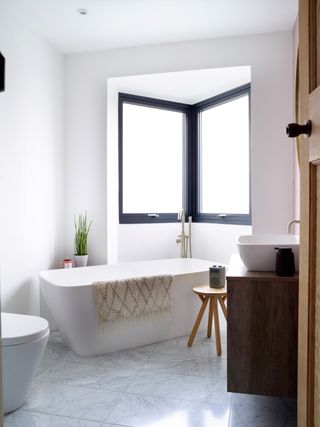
62 275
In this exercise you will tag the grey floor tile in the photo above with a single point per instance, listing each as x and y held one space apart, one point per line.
181 342
77 402
202 346
165 384
180 363
55 350
58 351
186 387
251 411
44 365
33 419
136 358
144 357
132 359
52 354
172 357
145 411
86 375
70 356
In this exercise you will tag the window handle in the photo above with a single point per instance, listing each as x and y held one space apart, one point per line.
153 215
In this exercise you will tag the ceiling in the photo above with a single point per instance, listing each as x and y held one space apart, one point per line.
188 87
123 23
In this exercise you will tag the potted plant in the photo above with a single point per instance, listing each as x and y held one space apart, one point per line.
82 229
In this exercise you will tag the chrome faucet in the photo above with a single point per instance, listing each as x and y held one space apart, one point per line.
183 238
290 224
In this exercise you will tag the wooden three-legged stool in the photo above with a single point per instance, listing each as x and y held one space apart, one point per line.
206 293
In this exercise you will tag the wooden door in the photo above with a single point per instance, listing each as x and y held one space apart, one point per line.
309 282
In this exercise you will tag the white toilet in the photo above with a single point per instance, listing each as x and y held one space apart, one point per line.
24 339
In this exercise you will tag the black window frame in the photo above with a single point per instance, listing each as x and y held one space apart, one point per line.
218 217
125 98
192 175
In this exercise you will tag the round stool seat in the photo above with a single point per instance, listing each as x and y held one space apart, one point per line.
207 290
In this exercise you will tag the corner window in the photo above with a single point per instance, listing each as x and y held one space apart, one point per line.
174 155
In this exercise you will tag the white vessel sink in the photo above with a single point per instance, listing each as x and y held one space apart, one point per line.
257 250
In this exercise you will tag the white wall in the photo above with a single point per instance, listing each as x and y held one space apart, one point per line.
213 242
270 57
31 164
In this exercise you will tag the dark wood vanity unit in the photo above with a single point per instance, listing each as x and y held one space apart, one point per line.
262 332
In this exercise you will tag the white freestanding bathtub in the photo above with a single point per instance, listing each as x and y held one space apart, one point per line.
68 295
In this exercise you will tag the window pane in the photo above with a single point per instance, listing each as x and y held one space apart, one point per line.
224 158
152 159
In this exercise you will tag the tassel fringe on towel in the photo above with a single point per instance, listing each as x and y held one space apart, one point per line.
132 299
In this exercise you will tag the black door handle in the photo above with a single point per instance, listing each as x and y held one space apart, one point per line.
294 129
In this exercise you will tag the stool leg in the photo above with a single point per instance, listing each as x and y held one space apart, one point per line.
217 326
198 320
223 306
209 330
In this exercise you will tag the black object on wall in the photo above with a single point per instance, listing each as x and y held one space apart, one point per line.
2 72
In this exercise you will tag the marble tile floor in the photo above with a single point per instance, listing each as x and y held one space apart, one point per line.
161 385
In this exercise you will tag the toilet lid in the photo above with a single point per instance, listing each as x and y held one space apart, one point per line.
20 328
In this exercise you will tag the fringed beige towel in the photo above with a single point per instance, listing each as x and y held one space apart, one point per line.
134 298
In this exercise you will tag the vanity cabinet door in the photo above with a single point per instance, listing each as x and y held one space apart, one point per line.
262 336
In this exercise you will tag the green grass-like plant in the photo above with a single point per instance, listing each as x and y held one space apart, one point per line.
81 234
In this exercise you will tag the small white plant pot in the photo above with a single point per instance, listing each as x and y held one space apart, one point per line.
80 260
